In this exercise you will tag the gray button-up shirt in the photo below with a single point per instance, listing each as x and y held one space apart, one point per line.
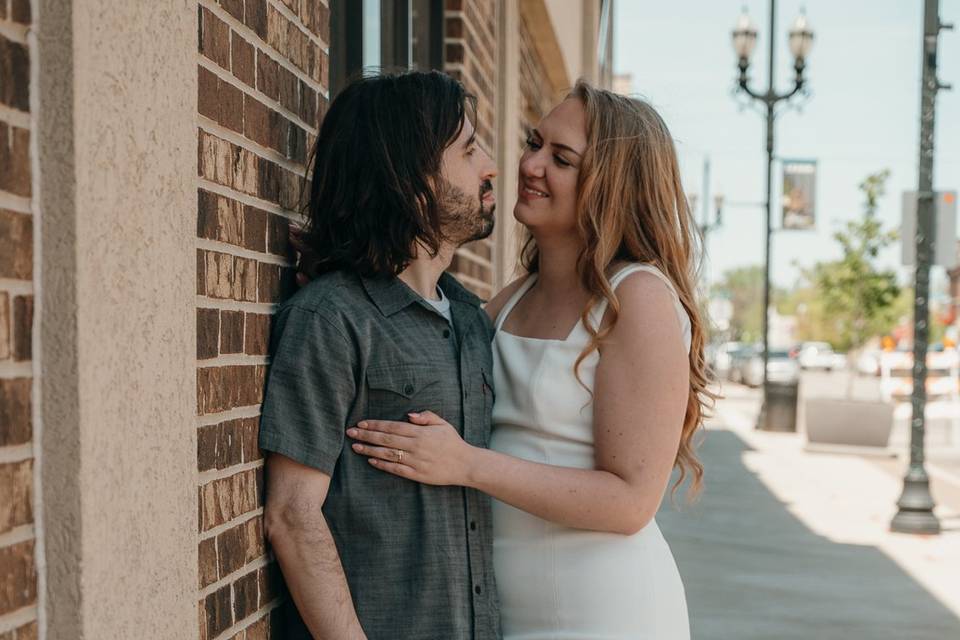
418 558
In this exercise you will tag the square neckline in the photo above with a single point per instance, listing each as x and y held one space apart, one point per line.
515 300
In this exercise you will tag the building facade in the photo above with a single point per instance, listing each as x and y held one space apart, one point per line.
151 159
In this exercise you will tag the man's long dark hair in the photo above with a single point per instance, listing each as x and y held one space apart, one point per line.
375 164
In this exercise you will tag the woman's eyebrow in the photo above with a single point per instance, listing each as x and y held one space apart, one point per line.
558 144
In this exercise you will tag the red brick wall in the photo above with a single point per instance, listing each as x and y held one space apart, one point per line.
471 57
18 573
263 72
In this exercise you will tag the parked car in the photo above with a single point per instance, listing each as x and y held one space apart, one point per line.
720 357
781 368
737 359
819 355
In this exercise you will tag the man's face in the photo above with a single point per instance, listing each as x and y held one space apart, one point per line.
465 191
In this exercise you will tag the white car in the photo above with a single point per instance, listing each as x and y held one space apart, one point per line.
819 355
781 368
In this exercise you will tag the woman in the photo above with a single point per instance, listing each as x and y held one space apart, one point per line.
600 382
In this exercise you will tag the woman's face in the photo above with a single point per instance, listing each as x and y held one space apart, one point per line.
549 169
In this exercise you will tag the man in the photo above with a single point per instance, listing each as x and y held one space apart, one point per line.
398 184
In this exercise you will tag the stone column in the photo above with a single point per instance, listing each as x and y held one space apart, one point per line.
117 162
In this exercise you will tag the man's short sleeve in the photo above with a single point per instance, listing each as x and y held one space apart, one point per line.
310 389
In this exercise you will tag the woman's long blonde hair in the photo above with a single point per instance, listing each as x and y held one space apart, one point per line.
631 207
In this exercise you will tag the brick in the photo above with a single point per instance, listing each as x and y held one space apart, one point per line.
290 190
255 17
256 120
15 160
271 583
218 612
228 387
245 595
268 181
255 228
208 333
16 244
18 577
277 33
267 75
259 630
207 557
217 159
208 102
231 332
207 436
6 337
454 5
256 545
309 15
16 424
28 631
308 105
219 218
16 500
247 490
269 283
233 7
257 334
214 38
289 89
213 510
249 429
454 28
201 272
278 235
22 328
20 11
229 277
230 111
231 549
202 616
295 147
246 172
454 53
243 61
15 71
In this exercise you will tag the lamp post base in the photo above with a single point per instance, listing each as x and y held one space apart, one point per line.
915 514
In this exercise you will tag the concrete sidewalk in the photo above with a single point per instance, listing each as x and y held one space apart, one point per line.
787 544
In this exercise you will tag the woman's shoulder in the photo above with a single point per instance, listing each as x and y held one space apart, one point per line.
497 302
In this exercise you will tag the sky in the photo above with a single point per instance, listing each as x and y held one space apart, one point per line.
862 114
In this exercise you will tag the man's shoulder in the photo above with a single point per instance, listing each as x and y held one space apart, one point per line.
329 295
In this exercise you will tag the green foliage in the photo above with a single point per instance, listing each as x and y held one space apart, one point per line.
743 286
855 300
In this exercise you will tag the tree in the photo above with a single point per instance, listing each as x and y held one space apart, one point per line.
743 287
855 293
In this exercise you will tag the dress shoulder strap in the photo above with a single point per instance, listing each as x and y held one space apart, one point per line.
512 302
596 314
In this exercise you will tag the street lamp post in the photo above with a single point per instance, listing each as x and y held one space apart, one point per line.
744 41
915 507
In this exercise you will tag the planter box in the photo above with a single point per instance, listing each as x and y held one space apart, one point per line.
833 423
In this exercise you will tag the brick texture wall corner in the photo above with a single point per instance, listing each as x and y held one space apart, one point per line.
263 78
18 573
470 55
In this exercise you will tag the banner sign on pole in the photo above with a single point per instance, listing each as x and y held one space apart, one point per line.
945 224
799 194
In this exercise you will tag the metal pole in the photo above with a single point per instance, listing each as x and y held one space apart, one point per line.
916 504
765 319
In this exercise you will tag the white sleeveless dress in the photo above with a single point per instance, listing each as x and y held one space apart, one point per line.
556 582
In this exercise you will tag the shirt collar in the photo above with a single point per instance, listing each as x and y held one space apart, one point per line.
390 294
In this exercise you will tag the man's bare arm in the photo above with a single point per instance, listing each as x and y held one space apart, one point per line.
305 549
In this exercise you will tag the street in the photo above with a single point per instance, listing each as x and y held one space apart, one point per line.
785 543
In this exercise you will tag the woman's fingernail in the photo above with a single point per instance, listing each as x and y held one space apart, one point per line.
373 461
357 447
352 432
413 414
362 425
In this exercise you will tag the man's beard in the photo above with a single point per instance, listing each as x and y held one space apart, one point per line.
464 219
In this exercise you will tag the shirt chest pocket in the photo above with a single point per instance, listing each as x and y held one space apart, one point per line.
393 391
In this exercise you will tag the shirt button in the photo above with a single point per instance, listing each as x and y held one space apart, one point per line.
446 333
473 525
408 389
477 590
